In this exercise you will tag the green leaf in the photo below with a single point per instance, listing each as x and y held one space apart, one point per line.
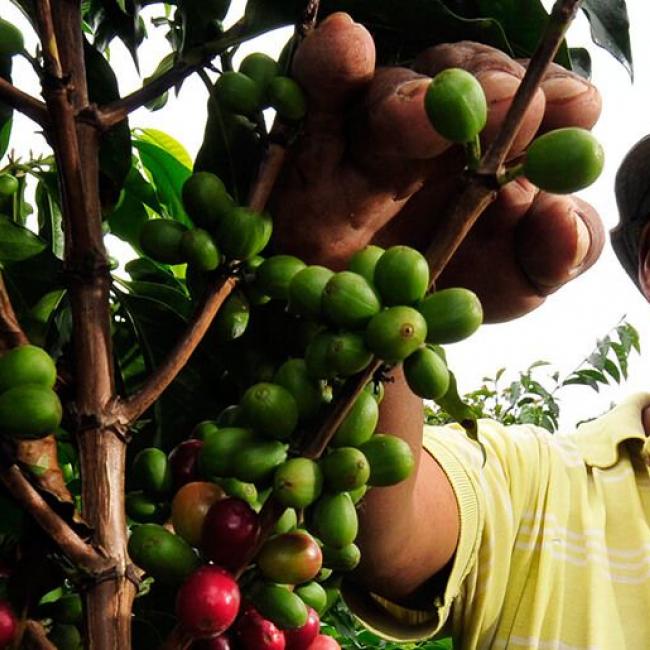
49 214
460 411
231 149
18 243
612 370
174 299
6 113
580 61
610 28
168 176
127 219
523 22
115 145
168 143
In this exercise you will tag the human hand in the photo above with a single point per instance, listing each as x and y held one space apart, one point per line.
369 167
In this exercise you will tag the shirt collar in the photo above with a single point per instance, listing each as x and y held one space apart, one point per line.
599 440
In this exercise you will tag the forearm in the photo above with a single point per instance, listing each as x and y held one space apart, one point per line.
408 531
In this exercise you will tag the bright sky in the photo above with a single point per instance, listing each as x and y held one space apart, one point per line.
565 328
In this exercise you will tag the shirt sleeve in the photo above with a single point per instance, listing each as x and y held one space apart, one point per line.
488 511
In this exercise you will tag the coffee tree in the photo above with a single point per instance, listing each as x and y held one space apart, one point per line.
183 451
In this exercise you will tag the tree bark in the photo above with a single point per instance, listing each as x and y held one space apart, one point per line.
108 601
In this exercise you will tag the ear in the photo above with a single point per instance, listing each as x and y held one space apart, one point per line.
644 261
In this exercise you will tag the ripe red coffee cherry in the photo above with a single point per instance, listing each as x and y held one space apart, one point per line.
323 642
230 530
301 638
208 602
254 632
183 461
8 624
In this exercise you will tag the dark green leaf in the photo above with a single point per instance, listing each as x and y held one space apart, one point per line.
168 176
580 61
610 28
231 149
6 112
622 356
612 370
523 22
49 213
401 29
174 299
115 149
453 404
109 21
18 243
127 219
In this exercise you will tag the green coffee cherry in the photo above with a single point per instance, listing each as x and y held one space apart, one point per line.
275 274
261 68
151 472
11 39
395 333
401 276
26 364
257 461
199 249
564 161
29 411
216 455
391 459
307 393
206 200
243 233
306 290
456 105
287 98
359 424
166 557
160 239
341 559
365 261
347 353
349 301
280 605
426 374
270 410
451 315
313 595
335 520
238 93
345 469
287 522
8 184
298 482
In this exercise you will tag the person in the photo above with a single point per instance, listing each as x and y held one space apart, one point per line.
547 544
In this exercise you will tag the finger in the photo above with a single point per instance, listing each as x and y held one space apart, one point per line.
333 64
499 76
559 238
570 100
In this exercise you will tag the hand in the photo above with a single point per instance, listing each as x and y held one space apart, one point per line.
370 168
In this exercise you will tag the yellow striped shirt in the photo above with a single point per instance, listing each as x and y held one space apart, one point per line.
554 545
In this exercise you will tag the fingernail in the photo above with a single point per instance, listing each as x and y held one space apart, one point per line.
583 242
338 17
498 85
562 89
412 89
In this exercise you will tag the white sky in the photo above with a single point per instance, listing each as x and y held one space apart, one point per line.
565 328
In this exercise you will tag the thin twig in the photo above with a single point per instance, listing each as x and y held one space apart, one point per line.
131 409
116 111
11 333
481 188
478 192
23 102
84 555
309 18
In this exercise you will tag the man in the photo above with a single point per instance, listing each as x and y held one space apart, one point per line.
548 544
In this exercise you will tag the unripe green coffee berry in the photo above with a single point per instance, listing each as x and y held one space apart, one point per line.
287 98
456 105
237 93
564 161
